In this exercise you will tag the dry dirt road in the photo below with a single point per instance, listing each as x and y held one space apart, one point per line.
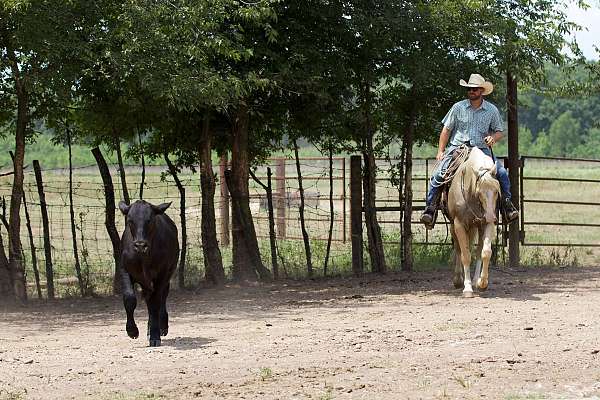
535 334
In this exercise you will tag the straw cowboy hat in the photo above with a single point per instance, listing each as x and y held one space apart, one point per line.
476 80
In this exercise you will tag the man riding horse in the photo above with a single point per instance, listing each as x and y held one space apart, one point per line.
474 122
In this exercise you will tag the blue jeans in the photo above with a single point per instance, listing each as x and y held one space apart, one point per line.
436 180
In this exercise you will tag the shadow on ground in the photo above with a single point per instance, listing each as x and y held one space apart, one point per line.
274 300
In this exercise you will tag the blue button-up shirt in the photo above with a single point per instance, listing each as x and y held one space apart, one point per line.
467 124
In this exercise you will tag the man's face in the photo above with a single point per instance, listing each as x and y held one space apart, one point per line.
474 93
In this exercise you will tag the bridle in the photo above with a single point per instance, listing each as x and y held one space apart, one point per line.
477 217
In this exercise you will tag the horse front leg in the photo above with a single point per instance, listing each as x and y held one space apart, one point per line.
463 238
458 279
477 273
486 255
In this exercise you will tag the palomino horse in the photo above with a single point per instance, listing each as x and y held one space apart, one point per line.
472 209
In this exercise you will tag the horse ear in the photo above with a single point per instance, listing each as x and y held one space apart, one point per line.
161 208
123 207
494 170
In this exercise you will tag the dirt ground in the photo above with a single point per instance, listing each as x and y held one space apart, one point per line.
535 334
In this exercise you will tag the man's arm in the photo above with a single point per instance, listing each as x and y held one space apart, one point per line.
444 137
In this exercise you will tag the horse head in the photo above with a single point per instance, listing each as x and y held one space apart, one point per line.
487 190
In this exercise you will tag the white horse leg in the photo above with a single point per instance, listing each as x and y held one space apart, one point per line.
486 255
458 269
464 239
477 274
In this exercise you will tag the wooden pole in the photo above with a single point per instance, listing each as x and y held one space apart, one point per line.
46 228
356 214
513 166
224 208
280 187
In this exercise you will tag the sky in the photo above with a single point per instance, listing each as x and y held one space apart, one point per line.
589 19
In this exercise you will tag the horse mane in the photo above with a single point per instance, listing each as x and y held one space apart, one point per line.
477 170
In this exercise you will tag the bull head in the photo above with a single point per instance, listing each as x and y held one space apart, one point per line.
140 219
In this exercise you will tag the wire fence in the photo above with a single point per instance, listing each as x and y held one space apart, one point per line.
559 208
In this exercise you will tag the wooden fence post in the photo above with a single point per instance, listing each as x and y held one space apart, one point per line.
281 198
46 228
356 214
513 166
224 206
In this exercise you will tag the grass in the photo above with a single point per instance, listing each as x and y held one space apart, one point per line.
528 396
95 248
132 396
462 381
12 395
265 373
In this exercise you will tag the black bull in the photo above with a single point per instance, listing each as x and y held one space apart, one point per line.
149 253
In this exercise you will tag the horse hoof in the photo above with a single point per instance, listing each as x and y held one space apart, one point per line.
133 332
481 285
164 331
154 343
458 284
467 295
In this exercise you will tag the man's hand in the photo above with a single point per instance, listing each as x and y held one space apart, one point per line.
440 155
490 140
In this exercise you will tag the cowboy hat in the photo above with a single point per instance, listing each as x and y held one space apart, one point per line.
476 80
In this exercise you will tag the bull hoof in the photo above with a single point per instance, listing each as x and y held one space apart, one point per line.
154 343
133 332
468 295
164 331
482 284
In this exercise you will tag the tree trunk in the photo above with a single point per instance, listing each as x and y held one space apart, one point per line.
246 255
109 213
143 180
34 264
272 237
46 229
373 230
72 213
15 254
331 211
5 284
305 238
126 197
407 237
183 251
213 262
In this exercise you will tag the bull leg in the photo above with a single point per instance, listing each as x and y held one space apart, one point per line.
130 302
458 269
463 237
153 300
164 316
486 255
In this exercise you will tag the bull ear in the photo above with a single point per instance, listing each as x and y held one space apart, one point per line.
161 208
123 207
